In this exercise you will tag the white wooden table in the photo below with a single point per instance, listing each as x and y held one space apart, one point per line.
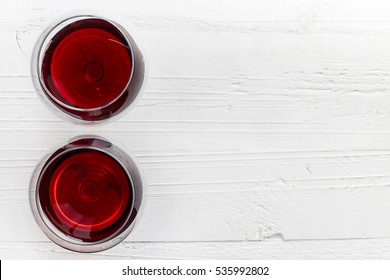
264 131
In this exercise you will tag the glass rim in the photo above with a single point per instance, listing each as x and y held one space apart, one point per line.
41 54
71 243
47 221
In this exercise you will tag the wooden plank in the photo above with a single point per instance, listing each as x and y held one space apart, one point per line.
269 249
265 122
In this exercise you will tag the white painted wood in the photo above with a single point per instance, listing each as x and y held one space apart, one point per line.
264 125
266 249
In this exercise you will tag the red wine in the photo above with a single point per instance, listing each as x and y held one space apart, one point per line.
91 69
86 194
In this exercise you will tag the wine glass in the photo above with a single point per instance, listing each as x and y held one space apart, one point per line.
87 194
88 69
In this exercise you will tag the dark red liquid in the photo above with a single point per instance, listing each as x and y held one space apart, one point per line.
86 194
87 65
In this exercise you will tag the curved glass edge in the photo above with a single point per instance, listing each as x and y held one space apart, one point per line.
136 176
137 53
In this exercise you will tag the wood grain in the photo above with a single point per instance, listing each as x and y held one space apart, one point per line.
264 131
